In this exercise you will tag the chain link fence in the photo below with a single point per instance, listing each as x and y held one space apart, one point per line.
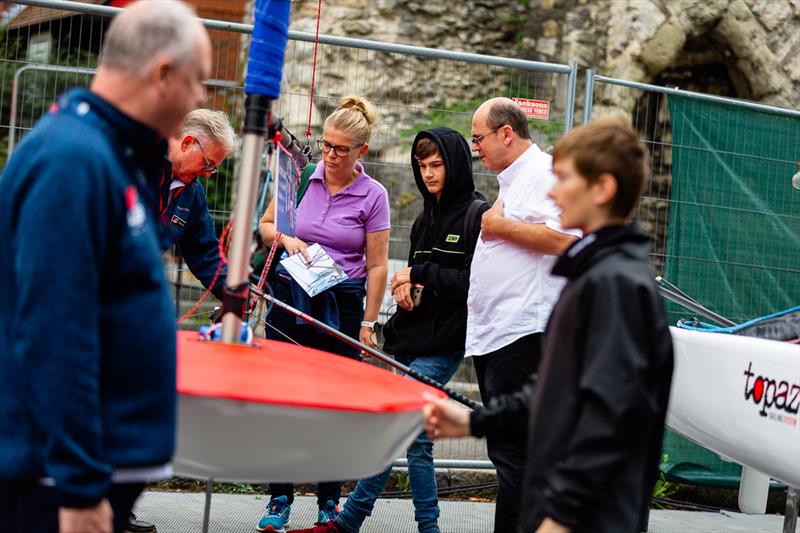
51 46
722 177
720 205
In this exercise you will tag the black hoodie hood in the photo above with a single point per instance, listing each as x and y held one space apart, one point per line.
458 185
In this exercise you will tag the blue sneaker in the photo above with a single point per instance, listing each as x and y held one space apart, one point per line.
328 514
276 516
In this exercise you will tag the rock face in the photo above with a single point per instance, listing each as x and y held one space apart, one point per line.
757 40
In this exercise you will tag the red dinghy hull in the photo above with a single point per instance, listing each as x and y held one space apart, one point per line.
281 412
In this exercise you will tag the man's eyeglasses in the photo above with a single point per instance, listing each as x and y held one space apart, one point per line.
338 149
476 140
208 167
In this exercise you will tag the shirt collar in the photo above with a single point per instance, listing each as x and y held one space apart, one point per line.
359 187
510 173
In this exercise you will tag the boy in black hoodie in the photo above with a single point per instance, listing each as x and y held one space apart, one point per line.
428 335
597 408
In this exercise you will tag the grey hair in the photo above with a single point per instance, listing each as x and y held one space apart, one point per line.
146 32
211 126
505 111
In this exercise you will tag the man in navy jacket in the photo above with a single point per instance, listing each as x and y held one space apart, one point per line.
205 141
87 334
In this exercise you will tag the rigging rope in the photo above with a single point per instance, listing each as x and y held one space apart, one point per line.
313 74
222 261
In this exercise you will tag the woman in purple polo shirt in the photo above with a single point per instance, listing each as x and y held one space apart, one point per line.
347 213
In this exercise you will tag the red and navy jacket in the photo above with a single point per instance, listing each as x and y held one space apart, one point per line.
186 221
87 323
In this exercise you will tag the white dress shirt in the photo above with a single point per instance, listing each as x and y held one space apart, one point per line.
511 290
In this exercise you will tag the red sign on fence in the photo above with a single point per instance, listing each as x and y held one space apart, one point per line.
538 109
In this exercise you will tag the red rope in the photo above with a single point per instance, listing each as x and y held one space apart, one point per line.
222 261
313 70
265 270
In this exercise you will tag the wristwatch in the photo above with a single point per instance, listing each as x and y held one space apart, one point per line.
368 324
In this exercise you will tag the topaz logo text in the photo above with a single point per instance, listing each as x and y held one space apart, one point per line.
770 393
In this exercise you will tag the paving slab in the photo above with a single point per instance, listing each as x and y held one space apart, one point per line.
236 513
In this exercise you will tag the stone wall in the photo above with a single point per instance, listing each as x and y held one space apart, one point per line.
757 40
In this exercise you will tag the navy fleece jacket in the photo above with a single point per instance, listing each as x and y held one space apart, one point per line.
187 222
87 331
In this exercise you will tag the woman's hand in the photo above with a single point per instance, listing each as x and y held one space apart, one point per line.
367 336
293 245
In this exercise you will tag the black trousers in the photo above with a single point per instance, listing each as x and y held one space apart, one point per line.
505 371
28 507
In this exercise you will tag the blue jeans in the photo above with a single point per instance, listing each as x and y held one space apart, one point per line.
422 478
350 305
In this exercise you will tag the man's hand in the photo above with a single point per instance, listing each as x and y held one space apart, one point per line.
402 295
443 420
293 245
549 525
491 220
97 519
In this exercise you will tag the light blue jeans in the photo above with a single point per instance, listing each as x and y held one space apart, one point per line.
421 476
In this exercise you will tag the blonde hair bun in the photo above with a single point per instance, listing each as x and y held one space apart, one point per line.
356 116
364 106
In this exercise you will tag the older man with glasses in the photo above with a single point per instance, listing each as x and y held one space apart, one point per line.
205 141
511 290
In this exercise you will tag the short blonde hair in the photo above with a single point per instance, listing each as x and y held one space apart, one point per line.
211 126
354 116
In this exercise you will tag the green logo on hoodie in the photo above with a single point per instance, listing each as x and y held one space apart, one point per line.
452 238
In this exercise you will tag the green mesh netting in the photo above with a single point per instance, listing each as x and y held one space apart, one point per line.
733 241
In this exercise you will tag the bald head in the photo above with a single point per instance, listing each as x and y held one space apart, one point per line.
148 32
154 60
500 111
500 133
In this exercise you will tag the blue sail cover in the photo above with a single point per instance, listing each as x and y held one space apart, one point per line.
267 48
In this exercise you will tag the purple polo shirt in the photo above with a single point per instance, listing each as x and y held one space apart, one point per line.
340 223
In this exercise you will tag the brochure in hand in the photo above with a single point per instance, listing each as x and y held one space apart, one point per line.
319 274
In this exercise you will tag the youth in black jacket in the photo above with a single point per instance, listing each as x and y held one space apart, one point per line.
607 363
440 256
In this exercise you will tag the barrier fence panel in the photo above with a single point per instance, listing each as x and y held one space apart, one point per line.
52 45
720 205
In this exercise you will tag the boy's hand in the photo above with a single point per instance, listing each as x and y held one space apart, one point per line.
402 295
443 420
401 276
549 525
491 220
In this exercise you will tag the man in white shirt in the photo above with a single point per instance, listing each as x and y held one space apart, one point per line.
511 289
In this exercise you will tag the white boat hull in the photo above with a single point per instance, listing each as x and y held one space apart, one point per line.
279 412
229 440
739 397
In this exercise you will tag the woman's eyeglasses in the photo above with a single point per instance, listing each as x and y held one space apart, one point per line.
338 149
